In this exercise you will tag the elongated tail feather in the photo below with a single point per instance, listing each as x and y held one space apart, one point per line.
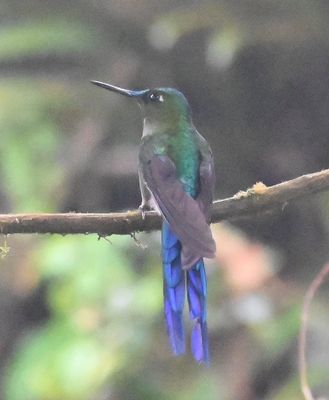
173 289
197 299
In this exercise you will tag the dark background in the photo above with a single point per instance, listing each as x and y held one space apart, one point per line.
82 318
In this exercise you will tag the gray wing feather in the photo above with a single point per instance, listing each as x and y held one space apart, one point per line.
206 174
184 214
207 183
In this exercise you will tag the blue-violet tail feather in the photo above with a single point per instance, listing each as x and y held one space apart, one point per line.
197 299
173 289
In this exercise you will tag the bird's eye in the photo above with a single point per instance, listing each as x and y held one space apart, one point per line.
155 97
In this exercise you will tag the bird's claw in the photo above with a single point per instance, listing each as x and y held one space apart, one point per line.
143 208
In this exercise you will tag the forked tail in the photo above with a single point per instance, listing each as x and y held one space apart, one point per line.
174 278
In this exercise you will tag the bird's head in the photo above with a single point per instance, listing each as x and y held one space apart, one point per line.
163 106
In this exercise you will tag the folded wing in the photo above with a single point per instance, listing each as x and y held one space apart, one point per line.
185 215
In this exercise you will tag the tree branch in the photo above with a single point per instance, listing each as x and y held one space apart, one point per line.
255 200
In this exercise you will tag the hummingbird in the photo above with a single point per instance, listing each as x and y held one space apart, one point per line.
177 178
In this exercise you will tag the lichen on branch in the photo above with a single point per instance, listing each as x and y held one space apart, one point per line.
244 204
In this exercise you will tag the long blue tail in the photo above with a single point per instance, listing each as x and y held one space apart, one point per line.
197 300
174 297
173 289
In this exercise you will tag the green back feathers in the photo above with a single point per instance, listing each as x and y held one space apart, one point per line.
167 118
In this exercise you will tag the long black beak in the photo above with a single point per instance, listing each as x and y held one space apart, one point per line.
125 92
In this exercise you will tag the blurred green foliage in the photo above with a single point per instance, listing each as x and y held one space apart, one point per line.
103 336
29 141
50 36
277 333
101 309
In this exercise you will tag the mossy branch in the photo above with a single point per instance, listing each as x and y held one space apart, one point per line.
258 199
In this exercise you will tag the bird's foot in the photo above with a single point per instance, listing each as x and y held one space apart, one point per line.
143 208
